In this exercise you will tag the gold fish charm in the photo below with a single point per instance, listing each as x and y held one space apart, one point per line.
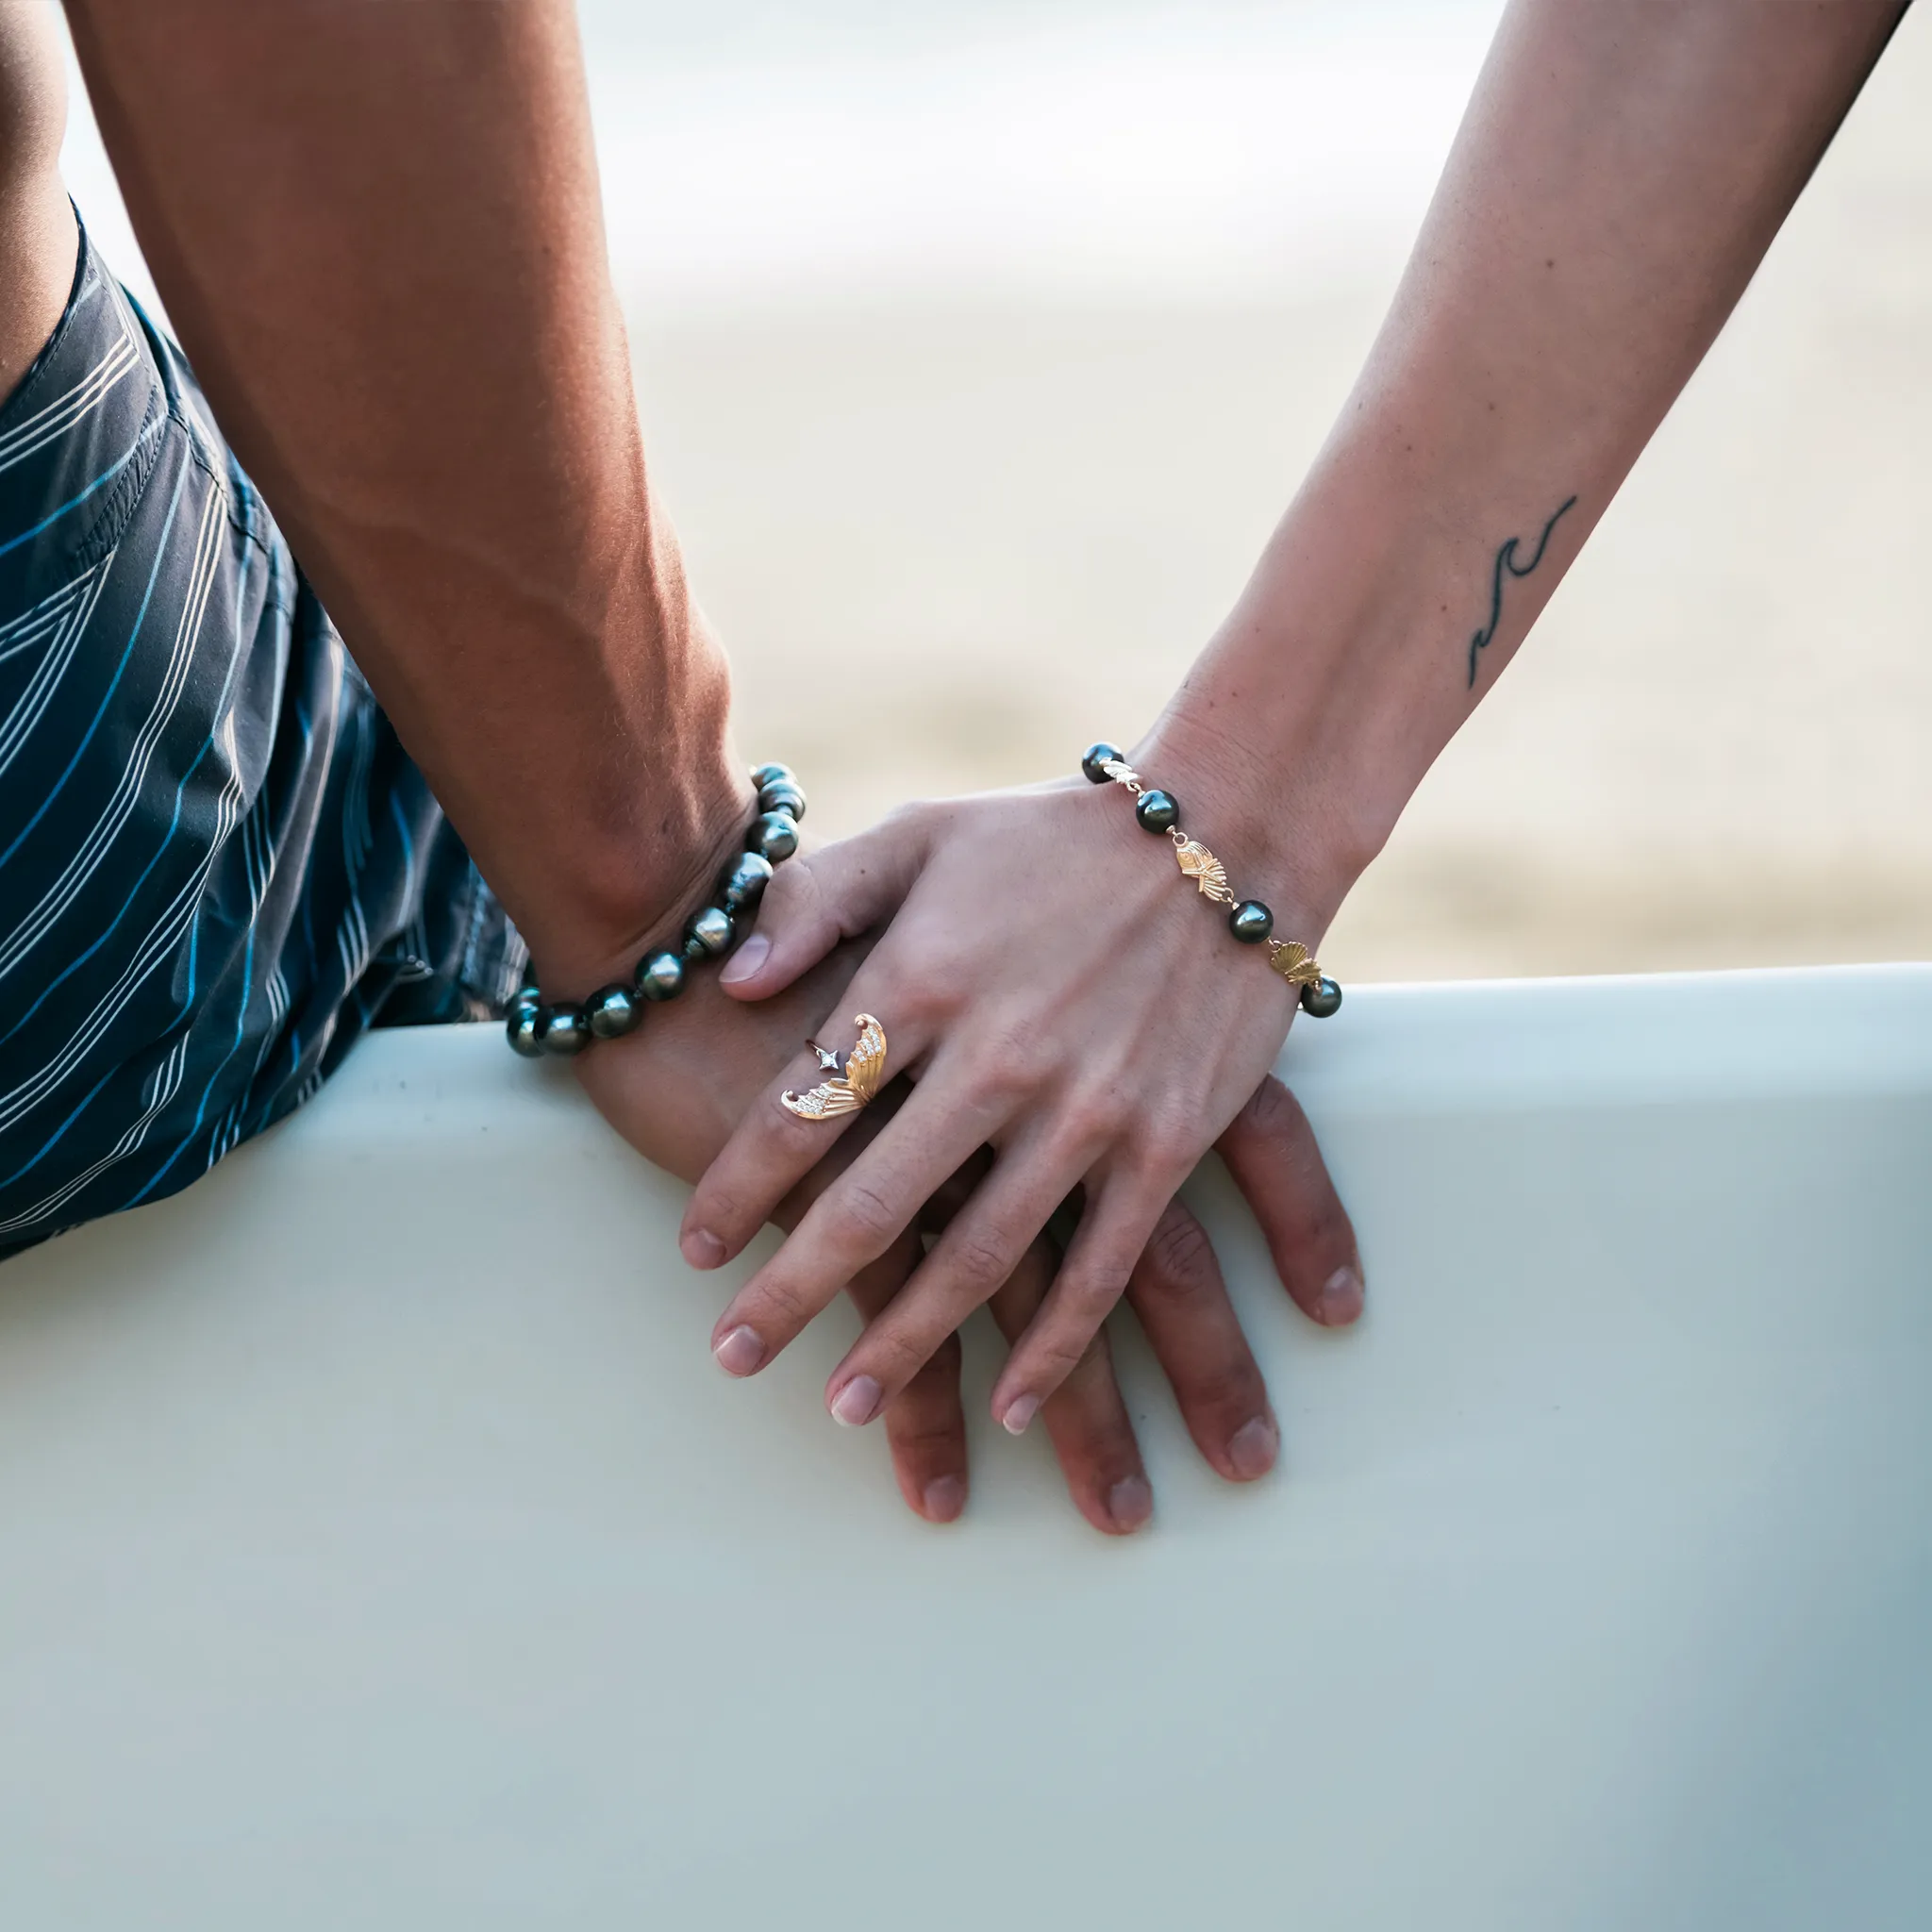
1206 870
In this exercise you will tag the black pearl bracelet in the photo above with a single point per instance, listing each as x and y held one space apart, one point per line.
1249 919
536 1026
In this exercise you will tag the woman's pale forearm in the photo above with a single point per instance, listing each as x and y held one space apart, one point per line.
1622 169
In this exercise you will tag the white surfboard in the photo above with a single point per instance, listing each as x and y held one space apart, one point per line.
379 1548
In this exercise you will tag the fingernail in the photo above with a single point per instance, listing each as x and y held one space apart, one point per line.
747 960
1020 1411
1341 1296
944 1498
856 1402
740 1352
1130 1502
701 1248
1252 1447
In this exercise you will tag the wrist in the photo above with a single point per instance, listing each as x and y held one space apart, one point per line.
637 901
1322 701
1277 822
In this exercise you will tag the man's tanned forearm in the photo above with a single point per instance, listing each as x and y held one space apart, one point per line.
378 232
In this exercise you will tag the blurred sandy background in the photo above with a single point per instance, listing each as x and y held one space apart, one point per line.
980 345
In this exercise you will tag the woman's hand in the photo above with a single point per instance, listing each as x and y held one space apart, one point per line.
677 1088
1058 992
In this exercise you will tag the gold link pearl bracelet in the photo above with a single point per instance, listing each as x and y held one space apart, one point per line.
1249 919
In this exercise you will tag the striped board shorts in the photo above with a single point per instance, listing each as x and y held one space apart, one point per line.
217 865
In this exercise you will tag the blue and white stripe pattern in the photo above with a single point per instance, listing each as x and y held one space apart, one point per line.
217 865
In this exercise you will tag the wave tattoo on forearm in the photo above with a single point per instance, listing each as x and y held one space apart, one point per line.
1505 561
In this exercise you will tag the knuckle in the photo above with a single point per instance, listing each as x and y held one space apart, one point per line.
795 909
905 982
1179 1257
981 1261
1091 1375
788 1303
864 1217
789 888
1227 1389
936 1378
1271 1112
1013 1063
1085 1126
1088 1298
1059 1357
919 1426
926 1002
720 1207
900 1360
1322 1229
1028 1047
1093 1116
1163 1151
998 1082
1169 1140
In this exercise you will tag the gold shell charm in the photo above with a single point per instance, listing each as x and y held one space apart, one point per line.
865 1073
1206 870
1289 958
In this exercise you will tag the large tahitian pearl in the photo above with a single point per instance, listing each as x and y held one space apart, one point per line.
709 934
519 1025
782 797
1251 921
773 836
562 1028
661 977
762 776
1094 756
744 886
1321 999
612 1011
1158 811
